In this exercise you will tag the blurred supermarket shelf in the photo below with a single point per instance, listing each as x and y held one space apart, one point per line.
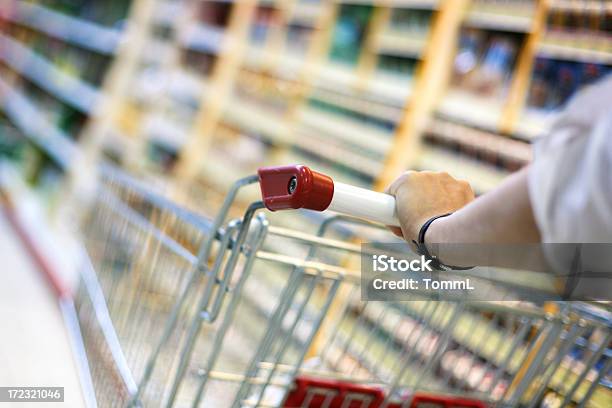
535 123
29 120
575 53
47 76
583 6
483 177
333 97
365 137
167 12
401 44
499 22
248 115
417 4
471 109
74 30
204 38
355 101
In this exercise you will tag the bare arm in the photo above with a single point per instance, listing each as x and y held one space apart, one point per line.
501 216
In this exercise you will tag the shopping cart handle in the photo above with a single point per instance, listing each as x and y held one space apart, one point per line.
297 186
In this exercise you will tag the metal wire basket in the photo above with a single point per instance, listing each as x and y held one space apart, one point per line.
179 310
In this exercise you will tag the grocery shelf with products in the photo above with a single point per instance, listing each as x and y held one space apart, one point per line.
362 82
574 51
192 95
53 61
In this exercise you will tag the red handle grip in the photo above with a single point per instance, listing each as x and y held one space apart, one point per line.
295 187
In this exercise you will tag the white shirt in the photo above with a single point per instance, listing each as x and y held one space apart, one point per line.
570 182
571 177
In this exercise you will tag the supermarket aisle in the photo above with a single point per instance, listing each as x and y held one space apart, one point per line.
34 345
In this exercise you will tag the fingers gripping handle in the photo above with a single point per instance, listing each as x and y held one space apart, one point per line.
293 187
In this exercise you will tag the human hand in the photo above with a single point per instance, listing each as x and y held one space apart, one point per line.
420 196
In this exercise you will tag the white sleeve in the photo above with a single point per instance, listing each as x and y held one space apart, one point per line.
570 188
570 182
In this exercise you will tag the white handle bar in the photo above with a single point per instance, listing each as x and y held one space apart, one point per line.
361 203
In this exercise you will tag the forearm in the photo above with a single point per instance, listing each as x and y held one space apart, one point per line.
501 216
492 224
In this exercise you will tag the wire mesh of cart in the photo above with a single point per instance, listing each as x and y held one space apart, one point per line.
180 310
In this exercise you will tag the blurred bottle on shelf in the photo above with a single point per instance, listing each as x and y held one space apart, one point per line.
555 81
576 50
109 13
265 20
349 33
214 13
485 62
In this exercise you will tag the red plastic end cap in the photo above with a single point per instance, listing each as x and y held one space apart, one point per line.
308 189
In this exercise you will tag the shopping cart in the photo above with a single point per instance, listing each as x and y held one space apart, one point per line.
180 310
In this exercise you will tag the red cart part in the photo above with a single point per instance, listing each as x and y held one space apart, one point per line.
429 401
297 186
318 393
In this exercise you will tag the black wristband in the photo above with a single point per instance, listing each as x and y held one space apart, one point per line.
422 247
425 227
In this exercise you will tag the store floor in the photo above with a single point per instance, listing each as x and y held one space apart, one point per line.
34 344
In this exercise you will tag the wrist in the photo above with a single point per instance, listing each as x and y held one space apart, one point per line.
434 233
421 245
417 228
427 230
